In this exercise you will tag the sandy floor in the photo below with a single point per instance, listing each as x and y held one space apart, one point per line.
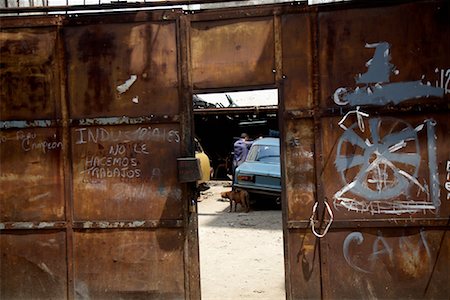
241 254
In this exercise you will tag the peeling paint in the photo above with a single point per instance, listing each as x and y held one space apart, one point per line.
137 224
26 124
23 225
125 86
45 225
88 224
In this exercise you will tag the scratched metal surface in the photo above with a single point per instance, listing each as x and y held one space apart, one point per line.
31 175
232 53
122 69
28 71
406 263
33 265
129 264
126 172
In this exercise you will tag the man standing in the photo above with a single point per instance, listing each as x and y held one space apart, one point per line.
241 148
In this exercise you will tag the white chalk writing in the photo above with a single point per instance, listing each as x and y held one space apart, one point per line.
120 161
86 135
30 141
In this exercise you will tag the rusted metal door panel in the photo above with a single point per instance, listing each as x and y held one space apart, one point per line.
131 264
384 129
97 160
28 70
126 172
402 178
378 133
408 263
31 185
351 40
232 53
33 265
117 68
297 61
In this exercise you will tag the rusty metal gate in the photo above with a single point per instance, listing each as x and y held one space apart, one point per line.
95 114
366 143
364 92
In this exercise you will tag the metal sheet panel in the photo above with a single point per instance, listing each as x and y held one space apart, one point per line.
33 265
407 263
28 71
132 264
232 53
126 172
122 69
31 175
297 61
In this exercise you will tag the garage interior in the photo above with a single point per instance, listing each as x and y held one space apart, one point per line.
217 127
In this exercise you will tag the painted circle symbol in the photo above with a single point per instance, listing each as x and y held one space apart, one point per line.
380 163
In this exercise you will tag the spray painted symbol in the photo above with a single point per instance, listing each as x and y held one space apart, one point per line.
383 164
380 167
383 159
375 87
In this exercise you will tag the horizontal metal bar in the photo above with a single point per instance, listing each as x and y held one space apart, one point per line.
420 108
366 223
107 6
126 120
93 224
32 225
372 110
226 89
15 124
236 110
128 224
299 114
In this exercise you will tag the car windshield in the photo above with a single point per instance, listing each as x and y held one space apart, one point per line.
264 153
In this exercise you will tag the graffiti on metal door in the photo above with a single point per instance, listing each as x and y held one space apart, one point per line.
379 158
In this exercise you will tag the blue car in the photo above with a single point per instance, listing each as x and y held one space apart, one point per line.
261 171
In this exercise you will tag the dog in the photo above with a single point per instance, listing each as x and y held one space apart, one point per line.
238 197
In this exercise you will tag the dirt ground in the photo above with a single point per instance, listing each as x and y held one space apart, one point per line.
241 254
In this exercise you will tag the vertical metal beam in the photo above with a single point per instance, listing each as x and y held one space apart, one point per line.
278 47
191 249
315 81
66 156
